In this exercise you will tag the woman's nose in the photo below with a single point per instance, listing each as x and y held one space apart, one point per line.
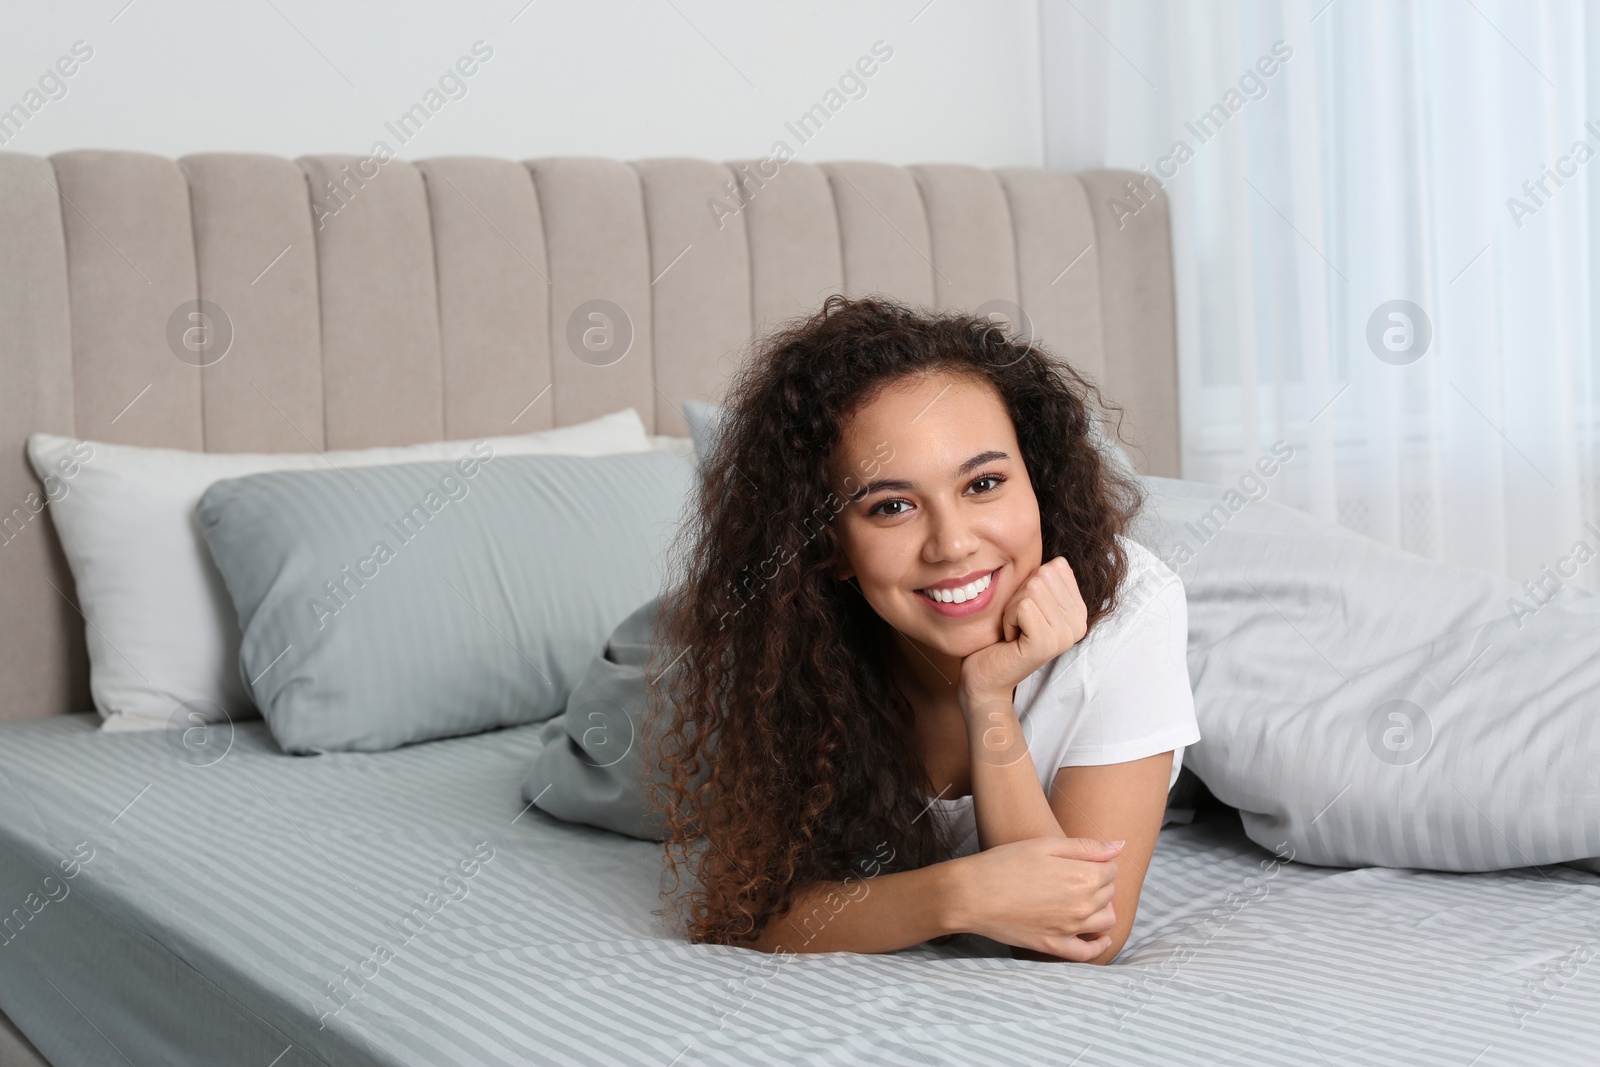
950 535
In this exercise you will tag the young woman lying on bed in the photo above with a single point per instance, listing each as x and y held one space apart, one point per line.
924 683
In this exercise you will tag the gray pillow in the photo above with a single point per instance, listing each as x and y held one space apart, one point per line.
386 605
704 421
592 768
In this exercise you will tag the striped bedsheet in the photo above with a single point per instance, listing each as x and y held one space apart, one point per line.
274 910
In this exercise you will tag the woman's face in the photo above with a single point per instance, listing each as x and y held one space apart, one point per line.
953 505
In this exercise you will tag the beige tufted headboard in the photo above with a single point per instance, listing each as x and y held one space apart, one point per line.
378 302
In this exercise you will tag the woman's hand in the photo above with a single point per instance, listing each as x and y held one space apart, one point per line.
1044 617
1040 893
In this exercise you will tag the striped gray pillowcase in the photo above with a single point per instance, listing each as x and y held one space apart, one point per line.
387 605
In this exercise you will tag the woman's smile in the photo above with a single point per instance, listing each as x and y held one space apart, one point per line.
961 600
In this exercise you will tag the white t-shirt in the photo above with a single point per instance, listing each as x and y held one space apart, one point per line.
1120 694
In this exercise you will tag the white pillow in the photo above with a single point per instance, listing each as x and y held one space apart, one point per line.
666 442
162 631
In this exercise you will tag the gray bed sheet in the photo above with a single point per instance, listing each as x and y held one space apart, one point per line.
228 909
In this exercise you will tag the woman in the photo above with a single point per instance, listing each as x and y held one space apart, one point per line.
919 681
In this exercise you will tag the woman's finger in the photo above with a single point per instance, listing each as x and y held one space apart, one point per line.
1009 627
1065 584
1101 921
1031 620
1077 949
1074 613
1059 596
1033 588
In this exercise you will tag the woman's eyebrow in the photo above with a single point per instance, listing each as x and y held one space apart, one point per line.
877 485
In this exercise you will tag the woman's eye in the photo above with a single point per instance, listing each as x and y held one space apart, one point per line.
878 509
995 478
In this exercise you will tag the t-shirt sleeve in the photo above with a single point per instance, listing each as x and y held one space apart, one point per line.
1138 699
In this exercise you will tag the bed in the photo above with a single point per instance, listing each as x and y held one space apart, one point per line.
230 913
268 909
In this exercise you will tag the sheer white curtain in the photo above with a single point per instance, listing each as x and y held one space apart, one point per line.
1326 161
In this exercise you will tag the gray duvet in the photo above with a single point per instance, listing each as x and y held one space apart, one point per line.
1371 707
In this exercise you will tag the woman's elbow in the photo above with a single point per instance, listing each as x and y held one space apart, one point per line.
771 946
1118 939
1045 957
1100 961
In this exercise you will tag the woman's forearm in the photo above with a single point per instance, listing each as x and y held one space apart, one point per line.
882 913
1007 800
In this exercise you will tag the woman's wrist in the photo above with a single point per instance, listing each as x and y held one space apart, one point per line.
954 896
980 705
994 733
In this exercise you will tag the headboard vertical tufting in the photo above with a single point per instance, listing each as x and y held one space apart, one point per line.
385 302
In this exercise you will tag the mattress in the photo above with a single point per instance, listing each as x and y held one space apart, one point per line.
249 907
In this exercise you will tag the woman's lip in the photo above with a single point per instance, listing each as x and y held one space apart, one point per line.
957 583
969 607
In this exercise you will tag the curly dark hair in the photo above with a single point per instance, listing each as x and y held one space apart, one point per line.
787 753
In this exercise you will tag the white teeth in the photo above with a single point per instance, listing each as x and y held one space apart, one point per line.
960 594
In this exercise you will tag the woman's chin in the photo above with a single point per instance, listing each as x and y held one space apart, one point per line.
946 641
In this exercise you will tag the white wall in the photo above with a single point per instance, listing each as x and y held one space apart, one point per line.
628 79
